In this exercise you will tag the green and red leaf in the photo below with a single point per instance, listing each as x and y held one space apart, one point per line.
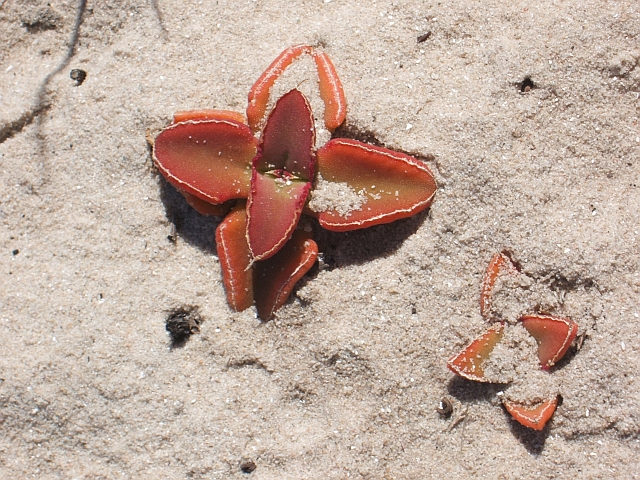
282 170
235 258
274 278
553 335
533 416
393 185
210 159
468 363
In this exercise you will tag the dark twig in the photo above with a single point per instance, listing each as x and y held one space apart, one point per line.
158 12
42 103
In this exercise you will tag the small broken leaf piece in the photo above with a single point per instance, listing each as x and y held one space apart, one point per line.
275 277
468 363
535 416
210 159
553 334
282 173
235 257
500 263
394 185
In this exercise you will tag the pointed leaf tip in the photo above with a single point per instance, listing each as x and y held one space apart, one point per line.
535 416
468 363
392 185
282 173
288 138
235 257
553 335
210 159
275 277
499 264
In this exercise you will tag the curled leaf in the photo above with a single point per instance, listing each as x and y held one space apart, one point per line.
500 263
208 114
535 416
288 138
335 103
392 184
553 334
259 93
235 257
468 363
275 277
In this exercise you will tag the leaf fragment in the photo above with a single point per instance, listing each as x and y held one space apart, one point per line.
208 114
235 258
534 416
205 208
468 363
499 264
553 334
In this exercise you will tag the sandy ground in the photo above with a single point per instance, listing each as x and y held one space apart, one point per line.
344 383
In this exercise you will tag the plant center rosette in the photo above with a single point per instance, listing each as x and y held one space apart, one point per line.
213 158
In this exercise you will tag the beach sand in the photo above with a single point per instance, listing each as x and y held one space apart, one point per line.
345 381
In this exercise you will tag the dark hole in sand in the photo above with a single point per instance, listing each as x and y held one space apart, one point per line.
527 85
182 322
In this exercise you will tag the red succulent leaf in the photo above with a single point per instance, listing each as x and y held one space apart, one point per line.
259 93
535 416
274 209
468 363
553 334
500 263
282 171
288 138
274 278
209 159
393 185
331 92
208 114
235 258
